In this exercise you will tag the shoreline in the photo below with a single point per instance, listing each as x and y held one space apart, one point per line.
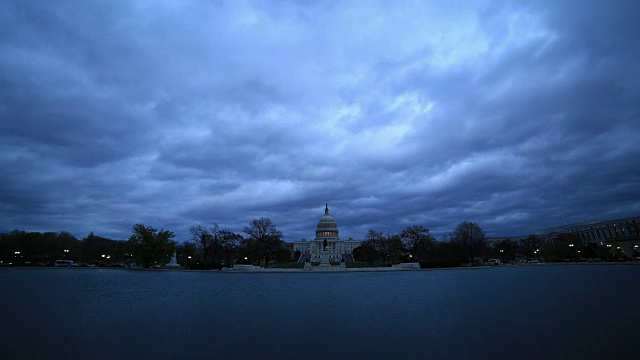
337 270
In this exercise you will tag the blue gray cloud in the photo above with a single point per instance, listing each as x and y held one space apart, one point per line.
516 115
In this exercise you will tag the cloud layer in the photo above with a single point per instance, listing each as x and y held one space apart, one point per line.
517 116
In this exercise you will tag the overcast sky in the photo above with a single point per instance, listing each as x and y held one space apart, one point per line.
515 115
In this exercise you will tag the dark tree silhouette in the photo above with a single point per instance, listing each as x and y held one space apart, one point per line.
418 241
263 238
228 242
150 246
530 244
204 238
366 253
471 239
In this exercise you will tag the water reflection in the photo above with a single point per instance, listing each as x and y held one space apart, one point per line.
528 312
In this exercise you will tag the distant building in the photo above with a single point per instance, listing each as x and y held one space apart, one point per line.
494 240
326 238
622 235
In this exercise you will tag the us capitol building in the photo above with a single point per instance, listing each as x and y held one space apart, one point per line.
326 239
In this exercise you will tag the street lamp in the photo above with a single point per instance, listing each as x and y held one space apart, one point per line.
571 246
66 251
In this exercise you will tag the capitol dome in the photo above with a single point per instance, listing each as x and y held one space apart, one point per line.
327 227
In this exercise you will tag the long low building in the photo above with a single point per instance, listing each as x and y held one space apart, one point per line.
327 238
621 236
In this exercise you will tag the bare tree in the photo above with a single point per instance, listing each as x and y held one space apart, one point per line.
264 238
373 236
447 237
387 246
531 244
229 243
417 240
214 243
204 238
185 252
376 240
470 238
394 246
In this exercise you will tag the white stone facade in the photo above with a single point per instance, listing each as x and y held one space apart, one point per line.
326 233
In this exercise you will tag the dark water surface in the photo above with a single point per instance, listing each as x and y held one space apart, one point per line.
563 311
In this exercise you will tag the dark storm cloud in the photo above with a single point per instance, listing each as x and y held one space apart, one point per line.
517 116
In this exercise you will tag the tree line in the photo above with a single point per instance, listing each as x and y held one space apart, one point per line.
468 245
260 243
21 247
416 244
